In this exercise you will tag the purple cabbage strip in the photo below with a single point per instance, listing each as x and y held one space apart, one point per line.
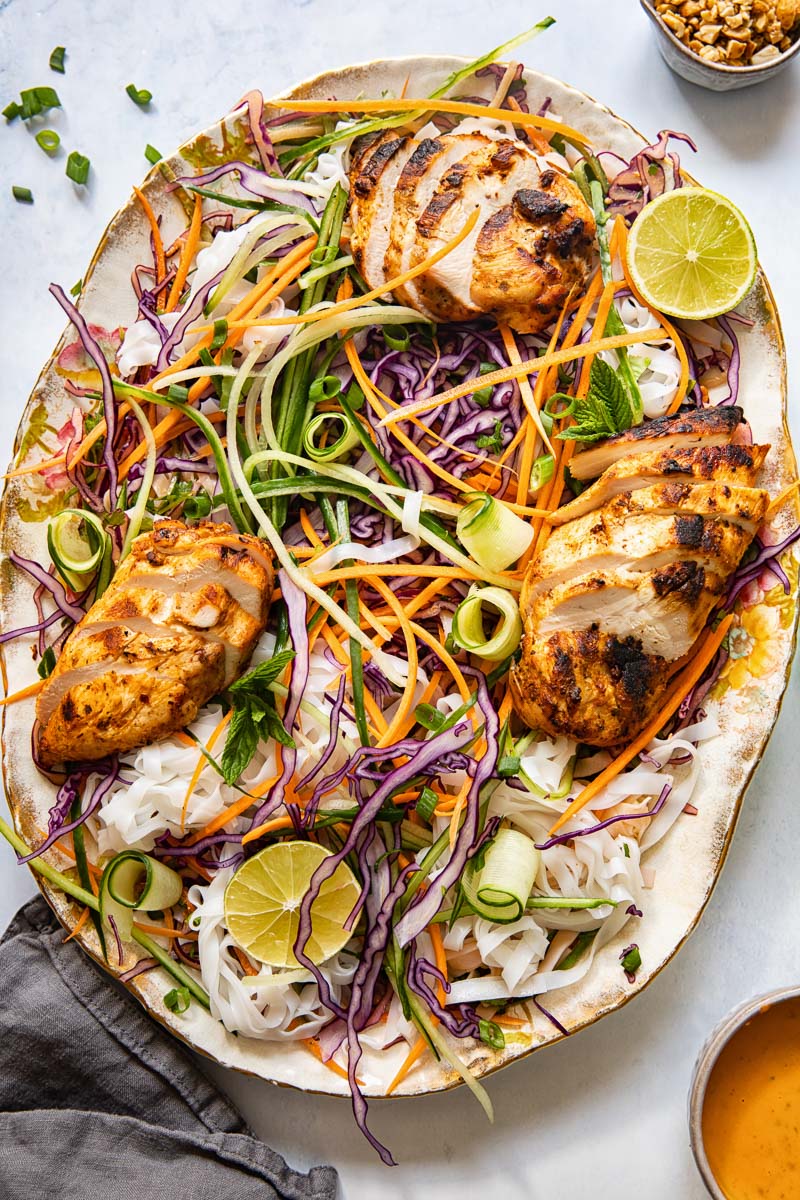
644 177
164 849
766 558
461 1024
553 1020
254 181
561 838
296 606
188 314
40 627
425 905
336 712
733 366
109 401
64 799
50 584
144 964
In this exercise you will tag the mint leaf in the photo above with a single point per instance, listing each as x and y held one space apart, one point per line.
255 718
605 410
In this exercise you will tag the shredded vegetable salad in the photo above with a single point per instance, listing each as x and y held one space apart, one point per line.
401 475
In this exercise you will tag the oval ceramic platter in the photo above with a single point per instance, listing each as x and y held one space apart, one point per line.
746 699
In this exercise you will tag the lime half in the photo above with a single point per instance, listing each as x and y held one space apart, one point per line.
692 254
262 904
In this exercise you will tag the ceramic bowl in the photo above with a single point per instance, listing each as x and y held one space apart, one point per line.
706 1061
717 77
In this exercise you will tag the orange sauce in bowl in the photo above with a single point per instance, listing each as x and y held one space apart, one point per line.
751 1111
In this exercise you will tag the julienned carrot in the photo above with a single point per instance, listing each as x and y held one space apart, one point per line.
187 254
445 657
705 650
677 340
201 762
407 700
288 270
244 961
529 367
233 810
273 826
79 924
158 245
31 690
395 569
419 1047
458 107
345 306
523 383
313 1045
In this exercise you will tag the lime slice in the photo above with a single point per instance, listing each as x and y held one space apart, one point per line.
692 254
262 904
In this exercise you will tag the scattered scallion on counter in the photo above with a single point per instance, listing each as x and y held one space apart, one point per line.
38 100
76 288
48 140
78 167
11 111
22 194
57 59
152 155
139 96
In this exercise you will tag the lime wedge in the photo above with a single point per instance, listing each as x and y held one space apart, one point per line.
262 904
692 254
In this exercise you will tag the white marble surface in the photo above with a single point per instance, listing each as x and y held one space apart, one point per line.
603 1114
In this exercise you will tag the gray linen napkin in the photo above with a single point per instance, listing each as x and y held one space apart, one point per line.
98 1103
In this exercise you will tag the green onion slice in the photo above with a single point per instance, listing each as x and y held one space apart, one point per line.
133 881
327 387
12 111
426 805
139 96
37 100
397 338
499 891
178 999
78 167
469 630
77 542
335 450
22 194
49 140
542 472
57 59
494 535
152 155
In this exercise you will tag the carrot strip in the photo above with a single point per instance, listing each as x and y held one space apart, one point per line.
414 1053
345 306
78 926
458 107
158 245
201 762
705 650
565 354
187 254
313 1045
407 699
233 810
277 823
244 961
31 690
523 383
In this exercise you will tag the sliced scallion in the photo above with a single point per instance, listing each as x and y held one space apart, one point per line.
483 395
397 337
78 167
220 335
12 111
325 388
494 535
427 804
499 891
57 59
178 999
77 542
469 630
48 140
324 269
343 444
22 194
542 472
152 155
139 96
38 100
46 663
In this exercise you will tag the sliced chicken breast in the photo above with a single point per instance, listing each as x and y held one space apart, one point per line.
419 179
177 624
626 586
704 426
372 203
729 464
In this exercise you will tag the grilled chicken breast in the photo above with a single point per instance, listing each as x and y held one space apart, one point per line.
702 427
626 583
531 245
176 625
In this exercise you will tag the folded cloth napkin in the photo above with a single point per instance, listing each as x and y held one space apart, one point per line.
98 1103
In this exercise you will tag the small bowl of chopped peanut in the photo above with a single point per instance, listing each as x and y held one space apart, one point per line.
726 44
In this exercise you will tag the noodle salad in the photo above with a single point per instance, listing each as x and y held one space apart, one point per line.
400 475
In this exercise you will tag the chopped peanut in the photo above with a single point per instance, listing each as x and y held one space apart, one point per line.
740 32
